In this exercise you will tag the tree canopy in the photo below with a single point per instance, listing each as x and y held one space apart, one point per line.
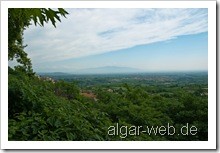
18 20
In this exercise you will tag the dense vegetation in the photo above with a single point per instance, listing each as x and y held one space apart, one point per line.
74 107
40 109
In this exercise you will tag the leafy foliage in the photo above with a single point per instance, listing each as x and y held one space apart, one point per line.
40 109
18 20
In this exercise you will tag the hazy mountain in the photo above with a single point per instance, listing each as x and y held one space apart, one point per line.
52 73
108 70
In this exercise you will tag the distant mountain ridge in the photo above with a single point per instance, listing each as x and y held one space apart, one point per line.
112 70
97 70
53 73
108 70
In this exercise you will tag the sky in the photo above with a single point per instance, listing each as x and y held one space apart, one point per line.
146 39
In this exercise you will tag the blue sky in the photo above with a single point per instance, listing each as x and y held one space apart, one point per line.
146 39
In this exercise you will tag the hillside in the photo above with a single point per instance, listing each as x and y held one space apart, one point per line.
42 110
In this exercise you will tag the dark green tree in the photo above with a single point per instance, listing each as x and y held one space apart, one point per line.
18 20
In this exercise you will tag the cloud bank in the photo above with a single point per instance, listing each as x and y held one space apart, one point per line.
95 31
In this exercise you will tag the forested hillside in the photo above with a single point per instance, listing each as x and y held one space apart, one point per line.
43 110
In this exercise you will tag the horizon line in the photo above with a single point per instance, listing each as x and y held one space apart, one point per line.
159 71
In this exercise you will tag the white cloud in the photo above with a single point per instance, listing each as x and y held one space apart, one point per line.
93 31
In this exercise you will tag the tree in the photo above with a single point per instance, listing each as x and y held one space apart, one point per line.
18 20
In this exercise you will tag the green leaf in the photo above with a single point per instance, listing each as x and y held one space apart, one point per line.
70 136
